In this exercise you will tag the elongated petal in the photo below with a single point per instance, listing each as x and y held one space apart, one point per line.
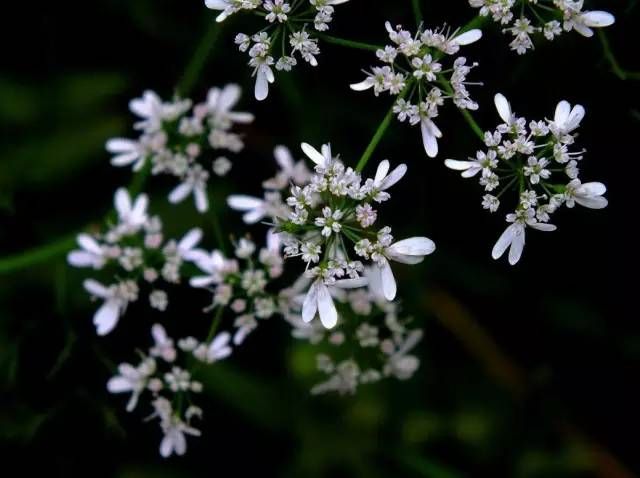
381 172
81 259
429 140
190 239
106 317
326 307
121 145
119 385
595 202
471 172
504 241
457 165
310 304
363 85
158 333
166 446
503 107
562 113
241 202
517 246
469 37
202 281
96 289
575 117
543 226
122 201
389 287
261 90
591 189
396 175
229 96
216 4
313 154
180 192
88 243
413 246
139 210
598 19
284 158
201 199
351 283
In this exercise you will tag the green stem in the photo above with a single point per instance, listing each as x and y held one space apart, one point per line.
382 128
215 323
417 11
613 62
348 43
37 255
199 59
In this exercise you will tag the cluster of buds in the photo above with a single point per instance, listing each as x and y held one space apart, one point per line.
133 252
368 344
184 142
169 387
550 18
414 70
287 37
535 160
240 284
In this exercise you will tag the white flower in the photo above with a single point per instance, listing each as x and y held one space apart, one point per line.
483 162
513 237
566 119
430 135
186 247
290 171
116 298
264 76
132 216
126 152
318 299
407 251
401 365
213 265
536 169
91 254
219 348
587 194
174 440
220 103
583 22
163 346
255 209
322 159
149 108
194 182
132 379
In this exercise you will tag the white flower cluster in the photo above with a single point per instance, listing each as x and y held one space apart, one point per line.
368 344
535 160
333 208
422 81
133 251
182 141
169 387
549 18
287 37
240 284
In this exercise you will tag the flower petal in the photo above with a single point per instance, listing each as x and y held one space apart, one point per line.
326 307
503 107
389 287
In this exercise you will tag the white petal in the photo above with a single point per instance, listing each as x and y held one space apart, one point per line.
122 201
119 385
202 201
88 243
228 97
389 288
457 165
283 158
190 239
216 4
381 172
261 90
543 226
396 175
139 210
597 202
106 317
504 241
503 107
363 85
240 202
562 113
313 154
598 19
429 140
180 192
413 246
96 289
591 189
326 307
469 37
158 333
125 159
351 283
254 216
81 259
517 245
166 446
202 281
310 304
577 113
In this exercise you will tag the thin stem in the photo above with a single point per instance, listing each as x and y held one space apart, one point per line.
37 255
613 62
215 323
199 59
417 11
382 128
347 43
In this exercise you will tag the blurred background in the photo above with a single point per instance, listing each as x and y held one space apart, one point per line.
527 371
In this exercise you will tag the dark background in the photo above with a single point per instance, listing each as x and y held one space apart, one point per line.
527 371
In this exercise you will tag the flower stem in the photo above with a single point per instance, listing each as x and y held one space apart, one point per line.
199 59
417 11
215 323
382 128
348 43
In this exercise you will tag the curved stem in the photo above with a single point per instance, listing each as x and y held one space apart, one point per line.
347 43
